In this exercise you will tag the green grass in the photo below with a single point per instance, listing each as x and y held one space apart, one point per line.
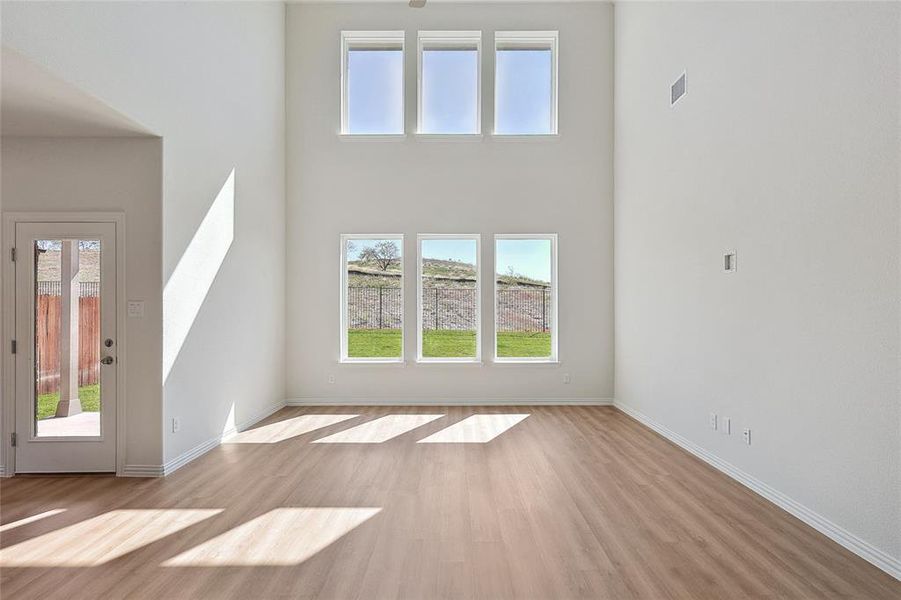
386 343
448 344
89 396
373 343
521 344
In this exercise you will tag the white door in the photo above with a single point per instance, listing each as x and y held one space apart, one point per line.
65 347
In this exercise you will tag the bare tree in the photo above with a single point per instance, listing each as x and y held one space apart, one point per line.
383 254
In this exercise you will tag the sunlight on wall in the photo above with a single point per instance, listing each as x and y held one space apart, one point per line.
102 538
379 430
287 429
283 536
190 282
31 519
477 429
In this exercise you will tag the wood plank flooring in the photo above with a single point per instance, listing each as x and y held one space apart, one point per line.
564 502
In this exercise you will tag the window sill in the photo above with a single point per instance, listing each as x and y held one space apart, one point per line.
517 137
449 361
373 137
381 362
525 361
449 137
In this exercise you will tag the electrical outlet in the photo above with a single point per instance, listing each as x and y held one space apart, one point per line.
746 435
567 378
331 378
176 425
712 421
726 425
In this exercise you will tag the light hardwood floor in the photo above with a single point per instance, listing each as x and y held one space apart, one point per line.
566 502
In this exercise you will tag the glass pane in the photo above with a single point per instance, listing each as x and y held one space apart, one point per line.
375 91
374 298
523 298
449 300
524 92
450 91
67 338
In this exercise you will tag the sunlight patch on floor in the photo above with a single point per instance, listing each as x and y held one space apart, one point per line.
283 536
287 429
475 429
102 538
31 519
380 430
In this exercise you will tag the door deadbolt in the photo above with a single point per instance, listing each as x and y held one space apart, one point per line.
108 342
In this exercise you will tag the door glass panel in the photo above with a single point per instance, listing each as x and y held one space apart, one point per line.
67 338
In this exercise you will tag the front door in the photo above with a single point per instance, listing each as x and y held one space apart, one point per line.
66 347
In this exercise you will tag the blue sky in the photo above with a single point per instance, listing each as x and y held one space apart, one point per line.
523 91
354 247
531 258
458 250
449 91
375 91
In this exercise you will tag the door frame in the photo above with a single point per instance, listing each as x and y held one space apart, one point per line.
10 220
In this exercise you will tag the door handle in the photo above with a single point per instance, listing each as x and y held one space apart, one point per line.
107 360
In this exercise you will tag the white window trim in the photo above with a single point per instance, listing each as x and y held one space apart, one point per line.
461 39
371 39
555 356
449 236
530 39
342 308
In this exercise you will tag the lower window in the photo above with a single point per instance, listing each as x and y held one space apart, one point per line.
525 298
448 298
372 303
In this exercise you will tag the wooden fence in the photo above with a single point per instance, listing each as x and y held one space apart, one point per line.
48 336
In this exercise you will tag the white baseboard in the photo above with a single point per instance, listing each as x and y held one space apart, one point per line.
861 548
198 450
142 471
419 401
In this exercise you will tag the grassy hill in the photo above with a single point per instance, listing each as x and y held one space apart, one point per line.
443 272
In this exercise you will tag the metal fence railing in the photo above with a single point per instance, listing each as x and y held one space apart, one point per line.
518 309
524 309
374 307
52 288
449 308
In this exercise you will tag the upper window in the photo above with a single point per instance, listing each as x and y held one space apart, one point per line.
372 82
525 292
372 298
449 82
448 294
525 83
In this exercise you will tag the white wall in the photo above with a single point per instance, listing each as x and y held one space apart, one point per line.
785 148
487 186
209 78
107 174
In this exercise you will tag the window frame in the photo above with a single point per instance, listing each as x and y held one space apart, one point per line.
554 358
342 304
385 40
478 294
453 39
530 40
